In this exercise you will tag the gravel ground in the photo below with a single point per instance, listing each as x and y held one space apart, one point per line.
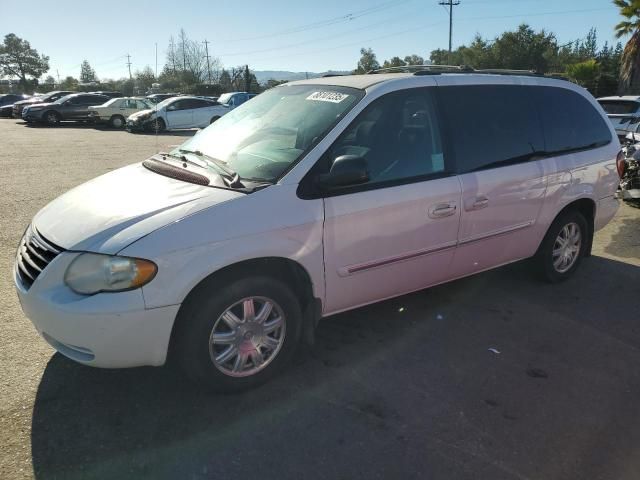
407 388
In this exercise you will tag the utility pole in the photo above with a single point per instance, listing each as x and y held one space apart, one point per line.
129 65
173 56
206 47
156 61
184 53
58 75
450 4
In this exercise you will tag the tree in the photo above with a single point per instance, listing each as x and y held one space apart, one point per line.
69 83
413 60
49 80
145 78
87 74
394 62
18 59
585 73
525 49
367 61
630 61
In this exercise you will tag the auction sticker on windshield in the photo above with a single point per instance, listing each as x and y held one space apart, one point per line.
333 97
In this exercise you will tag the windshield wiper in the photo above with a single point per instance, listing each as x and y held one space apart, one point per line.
232 177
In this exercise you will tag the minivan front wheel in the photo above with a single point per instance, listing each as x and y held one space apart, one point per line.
237 336
563 247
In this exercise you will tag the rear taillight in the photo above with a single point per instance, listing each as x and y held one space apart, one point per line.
620 164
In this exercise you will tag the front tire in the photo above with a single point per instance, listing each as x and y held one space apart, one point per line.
563 247
52 118
235 336
158 125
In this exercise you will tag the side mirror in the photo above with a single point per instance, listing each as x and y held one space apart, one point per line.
347 170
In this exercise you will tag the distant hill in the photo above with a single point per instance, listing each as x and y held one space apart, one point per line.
263 75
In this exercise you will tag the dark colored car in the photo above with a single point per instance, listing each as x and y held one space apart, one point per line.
6 102
159 97
108 94
74 107
46 98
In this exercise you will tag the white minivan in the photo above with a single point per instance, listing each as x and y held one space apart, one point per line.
314 198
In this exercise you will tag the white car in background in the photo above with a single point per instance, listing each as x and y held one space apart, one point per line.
177 113
115 111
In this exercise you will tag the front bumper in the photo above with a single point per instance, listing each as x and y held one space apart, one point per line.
108 330
29 116
138 125
631 194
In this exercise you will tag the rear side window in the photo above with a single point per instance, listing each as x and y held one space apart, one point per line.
570 121
619 107
491 125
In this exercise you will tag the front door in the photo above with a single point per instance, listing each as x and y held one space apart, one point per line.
397 232
179 114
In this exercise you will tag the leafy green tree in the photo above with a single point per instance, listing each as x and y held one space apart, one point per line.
49 80
394 62
18 59
87 74
524 49
367 62
585 73
630 61
413 60
69 83
145 78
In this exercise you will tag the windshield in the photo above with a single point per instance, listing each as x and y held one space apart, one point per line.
224 98
63 99
617 107
108 103
164 103
263 138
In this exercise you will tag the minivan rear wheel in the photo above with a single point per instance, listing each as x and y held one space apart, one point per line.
563 247
232 337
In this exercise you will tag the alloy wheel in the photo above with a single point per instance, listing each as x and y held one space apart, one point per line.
566 248
247 336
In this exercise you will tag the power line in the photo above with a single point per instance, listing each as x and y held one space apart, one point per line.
450 4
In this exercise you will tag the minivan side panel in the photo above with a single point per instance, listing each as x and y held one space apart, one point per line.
269 223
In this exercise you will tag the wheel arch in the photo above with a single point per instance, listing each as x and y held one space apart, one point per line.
290 272
587 207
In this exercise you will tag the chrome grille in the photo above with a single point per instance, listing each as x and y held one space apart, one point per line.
34 254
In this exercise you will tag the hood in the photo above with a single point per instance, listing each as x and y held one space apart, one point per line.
27 101
142 113
110 212
48 104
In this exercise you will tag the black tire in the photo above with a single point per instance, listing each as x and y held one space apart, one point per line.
199 314
51 118
117 121
544 258
214 119
158 125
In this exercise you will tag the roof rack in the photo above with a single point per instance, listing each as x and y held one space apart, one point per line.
440 69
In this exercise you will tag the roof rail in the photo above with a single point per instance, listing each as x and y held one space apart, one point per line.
440 69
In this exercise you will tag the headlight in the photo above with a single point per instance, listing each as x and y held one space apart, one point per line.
91 273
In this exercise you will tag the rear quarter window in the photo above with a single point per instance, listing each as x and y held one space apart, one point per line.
570 121
619 107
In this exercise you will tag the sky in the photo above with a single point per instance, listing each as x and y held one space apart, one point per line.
292 35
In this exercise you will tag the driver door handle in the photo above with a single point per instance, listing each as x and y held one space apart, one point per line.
441 210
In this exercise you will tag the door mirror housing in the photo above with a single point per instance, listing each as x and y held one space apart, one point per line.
346 171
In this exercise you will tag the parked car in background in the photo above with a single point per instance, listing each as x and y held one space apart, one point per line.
46 98
7 101
623 111
177 113
108 94
73 107
159 97
115 111
317 197
234 99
